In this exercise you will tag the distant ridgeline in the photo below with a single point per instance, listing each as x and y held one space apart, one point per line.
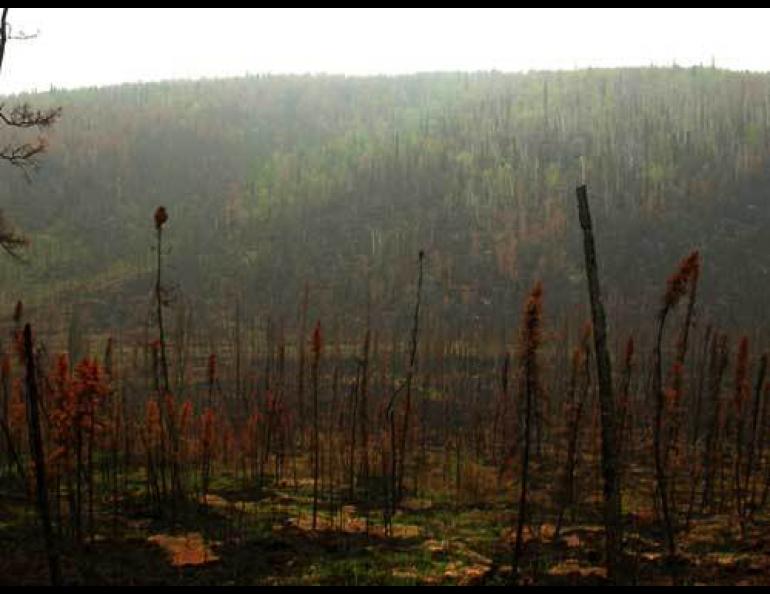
272 183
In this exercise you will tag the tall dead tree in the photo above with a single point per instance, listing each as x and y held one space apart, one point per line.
398 447
756 441
531 336
317 346
38 455
363 414
301 366
160 217
410 377
165 400
577 392
610 469
678 284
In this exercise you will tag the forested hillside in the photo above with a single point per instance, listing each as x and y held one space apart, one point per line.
275 182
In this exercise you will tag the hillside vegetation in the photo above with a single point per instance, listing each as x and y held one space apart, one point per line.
274 182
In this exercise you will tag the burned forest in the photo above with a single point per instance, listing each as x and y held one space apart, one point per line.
443 328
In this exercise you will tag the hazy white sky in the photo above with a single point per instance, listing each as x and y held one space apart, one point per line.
98 46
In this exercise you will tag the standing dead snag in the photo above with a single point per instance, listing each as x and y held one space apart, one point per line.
164 395
529 342
695 439
409 378
317 346
713 442
626 423
161 216
207 441
741 399
364 421
398 448
301 366
610 470
677 412
684 279
576 399
36 447
756 441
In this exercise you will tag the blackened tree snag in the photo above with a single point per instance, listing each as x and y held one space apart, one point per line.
756 441
410 377
398 447
161 216
577 398
165 398
686 277
36 447
612 523
531 335
317 346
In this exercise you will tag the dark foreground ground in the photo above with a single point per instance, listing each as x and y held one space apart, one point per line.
236 538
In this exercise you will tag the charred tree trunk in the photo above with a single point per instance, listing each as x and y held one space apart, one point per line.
756 443
667 400
530 341
610 470
36 447
409 378
658 446
316 433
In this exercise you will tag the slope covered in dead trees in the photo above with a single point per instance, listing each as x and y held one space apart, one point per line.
276 182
